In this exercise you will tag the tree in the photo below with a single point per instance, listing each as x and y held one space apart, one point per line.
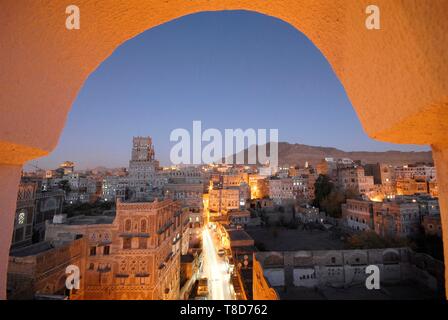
329 198
332 203
371 240
322 188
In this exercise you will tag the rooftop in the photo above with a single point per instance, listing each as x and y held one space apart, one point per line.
32 249
236 235
36 248
242 213
87 220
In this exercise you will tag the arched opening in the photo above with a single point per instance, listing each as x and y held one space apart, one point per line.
372 78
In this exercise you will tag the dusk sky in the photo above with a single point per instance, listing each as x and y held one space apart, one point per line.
227 69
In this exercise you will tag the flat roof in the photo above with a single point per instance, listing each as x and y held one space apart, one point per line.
239 235
32 250
239 213
87 220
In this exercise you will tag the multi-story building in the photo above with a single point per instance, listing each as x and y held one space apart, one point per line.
114 187
67 167
281 191
303 186
134 255
396 218
184 174
189 196
191 269
239 217
427 204
76 181
259 187
228 191
38 271
307 213
384 180
358 214
222 200
35 205
420 172
354 178
383 174
47 205
283 171
411 186
266 171
24 217
78 186
234 180
142 168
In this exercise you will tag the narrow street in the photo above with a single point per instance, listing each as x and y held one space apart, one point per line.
215 270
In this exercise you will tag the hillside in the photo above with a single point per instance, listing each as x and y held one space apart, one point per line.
293 154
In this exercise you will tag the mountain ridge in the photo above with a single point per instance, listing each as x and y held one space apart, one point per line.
298 154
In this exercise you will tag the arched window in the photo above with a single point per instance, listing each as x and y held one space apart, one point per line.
143 227
391 256
127 225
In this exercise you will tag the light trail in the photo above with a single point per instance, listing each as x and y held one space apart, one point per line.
215 270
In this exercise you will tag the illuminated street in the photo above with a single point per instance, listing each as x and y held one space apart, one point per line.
215 270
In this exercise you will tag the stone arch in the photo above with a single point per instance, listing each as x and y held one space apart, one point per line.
391 256
143 225
396 77
127 225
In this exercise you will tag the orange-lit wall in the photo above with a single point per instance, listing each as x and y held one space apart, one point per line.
396 78
260 287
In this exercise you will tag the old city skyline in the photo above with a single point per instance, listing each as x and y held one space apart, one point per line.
202 232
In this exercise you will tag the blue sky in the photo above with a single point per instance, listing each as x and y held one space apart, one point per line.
228 69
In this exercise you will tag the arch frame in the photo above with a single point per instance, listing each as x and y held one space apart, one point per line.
396 78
